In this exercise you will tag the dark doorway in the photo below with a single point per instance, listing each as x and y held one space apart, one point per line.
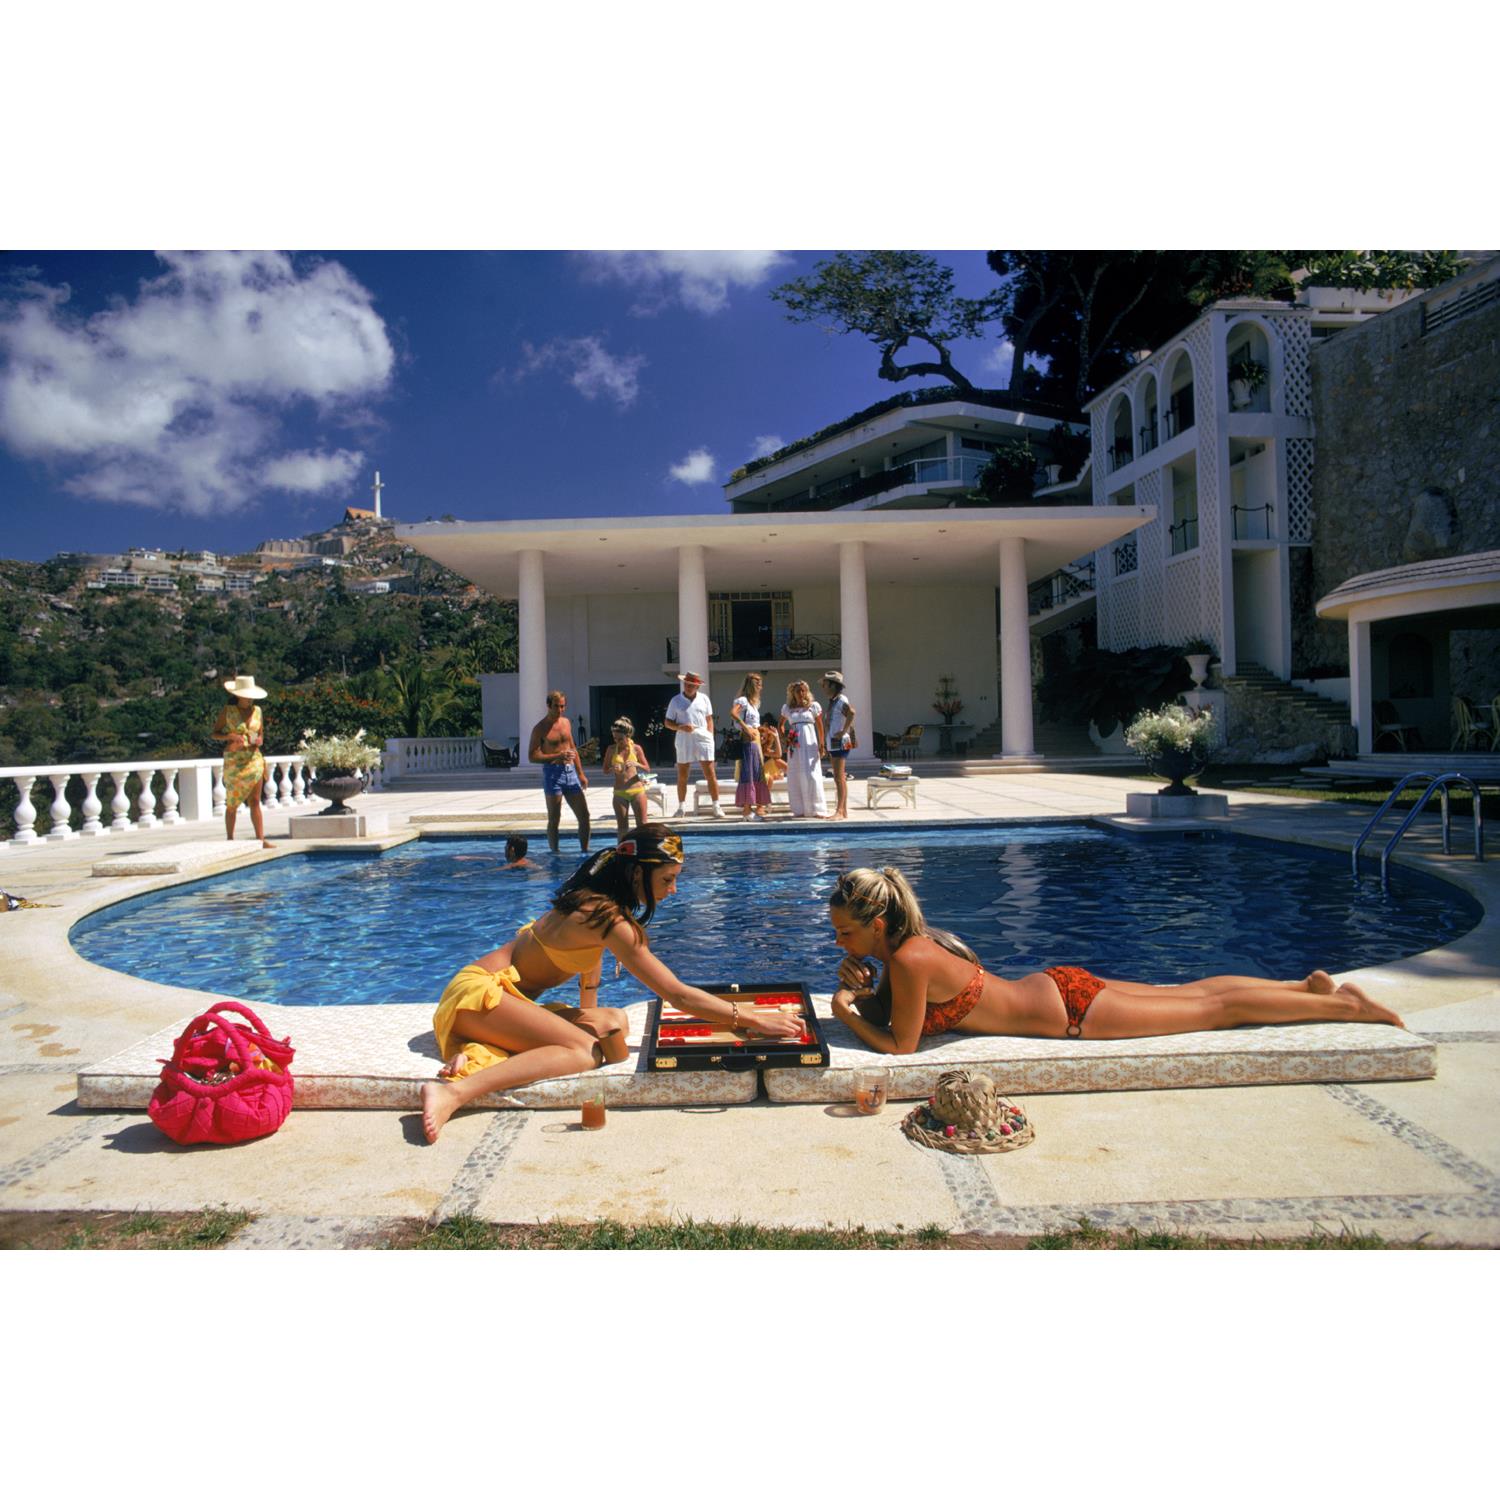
644 704
750 630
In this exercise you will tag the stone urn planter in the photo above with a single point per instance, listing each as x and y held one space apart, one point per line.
1239 394
1175 765
1198 665
338 787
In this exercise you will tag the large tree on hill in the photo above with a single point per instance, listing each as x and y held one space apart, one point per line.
894 298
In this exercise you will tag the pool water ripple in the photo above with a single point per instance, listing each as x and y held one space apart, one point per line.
346 930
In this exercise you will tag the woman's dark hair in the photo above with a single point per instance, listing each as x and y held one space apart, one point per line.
516 847
610 875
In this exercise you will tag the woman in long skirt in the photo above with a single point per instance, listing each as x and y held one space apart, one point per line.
752 793
802 734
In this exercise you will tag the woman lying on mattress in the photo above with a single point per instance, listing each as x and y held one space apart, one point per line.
493 1033
932 982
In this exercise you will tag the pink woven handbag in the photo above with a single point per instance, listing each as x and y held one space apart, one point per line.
226 1081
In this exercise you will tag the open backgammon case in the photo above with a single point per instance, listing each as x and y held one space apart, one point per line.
678 1041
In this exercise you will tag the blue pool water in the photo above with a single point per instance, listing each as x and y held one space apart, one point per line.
320 930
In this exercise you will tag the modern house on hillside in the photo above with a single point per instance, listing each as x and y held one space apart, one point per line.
849 550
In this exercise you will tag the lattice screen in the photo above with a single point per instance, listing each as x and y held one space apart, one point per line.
1299 463
1182 605
1151 547
1296 379
1125 613
1208 588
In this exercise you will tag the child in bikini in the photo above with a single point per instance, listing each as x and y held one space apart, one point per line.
627 760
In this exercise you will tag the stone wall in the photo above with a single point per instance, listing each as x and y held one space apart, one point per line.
1407 460
1260 728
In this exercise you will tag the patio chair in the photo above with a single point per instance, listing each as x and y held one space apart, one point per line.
1468 728
498 756
1387 723
905 745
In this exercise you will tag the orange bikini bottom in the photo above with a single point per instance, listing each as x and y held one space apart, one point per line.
1077 988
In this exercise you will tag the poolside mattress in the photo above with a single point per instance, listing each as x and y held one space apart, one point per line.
378 1057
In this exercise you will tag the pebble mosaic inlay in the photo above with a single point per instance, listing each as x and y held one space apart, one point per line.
482 1165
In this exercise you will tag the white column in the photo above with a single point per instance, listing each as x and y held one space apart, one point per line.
692 614
119 804
854 657
60 812
169 813
92 807
1361 685
146 801
1015 651
531 632
25 814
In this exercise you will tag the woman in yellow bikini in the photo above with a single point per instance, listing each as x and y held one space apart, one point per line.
493 1033
933 983
627 760
241 729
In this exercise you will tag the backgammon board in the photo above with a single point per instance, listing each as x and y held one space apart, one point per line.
675 1040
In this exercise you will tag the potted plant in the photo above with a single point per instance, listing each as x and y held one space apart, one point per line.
337 761
1198 653
1175 742
1010 473
947 703
1101 690
1246 377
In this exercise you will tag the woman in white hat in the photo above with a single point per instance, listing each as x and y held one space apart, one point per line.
241 728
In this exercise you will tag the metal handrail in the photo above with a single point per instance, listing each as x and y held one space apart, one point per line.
1439 782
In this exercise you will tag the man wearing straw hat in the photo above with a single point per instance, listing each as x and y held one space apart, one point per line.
241 729
691 715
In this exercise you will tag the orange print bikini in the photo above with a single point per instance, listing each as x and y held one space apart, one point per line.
1076 986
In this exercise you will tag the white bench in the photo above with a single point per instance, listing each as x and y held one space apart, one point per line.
904 787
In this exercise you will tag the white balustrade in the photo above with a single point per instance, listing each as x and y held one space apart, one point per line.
146 802
169 796
221 797
60 813
25 812
120 803
407 757
92 807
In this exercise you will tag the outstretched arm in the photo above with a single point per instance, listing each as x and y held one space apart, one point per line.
630 948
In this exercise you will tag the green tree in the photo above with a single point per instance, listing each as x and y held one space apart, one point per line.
893 298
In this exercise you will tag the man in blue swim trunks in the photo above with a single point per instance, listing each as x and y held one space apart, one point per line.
553 749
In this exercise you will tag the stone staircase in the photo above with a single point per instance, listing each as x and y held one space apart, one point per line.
1054 741
1290 705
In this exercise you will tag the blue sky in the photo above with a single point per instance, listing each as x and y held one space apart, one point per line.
215 400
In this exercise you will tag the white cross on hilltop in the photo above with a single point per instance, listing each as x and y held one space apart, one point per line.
378 487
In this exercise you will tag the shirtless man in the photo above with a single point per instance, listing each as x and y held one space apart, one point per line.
562 773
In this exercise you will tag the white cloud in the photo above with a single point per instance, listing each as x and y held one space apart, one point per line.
172 399
766 444
999 358
696 468
312 473
592 370
699 279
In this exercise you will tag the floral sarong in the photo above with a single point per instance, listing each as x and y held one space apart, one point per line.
244 770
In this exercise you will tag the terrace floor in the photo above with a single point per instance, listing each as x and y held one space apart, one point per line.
1403 1160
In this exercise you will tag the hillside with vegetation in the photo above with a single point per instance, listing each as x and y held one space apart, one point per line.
100 674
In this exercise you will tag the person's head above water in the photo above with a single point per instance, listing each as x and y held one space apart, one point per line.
631 878
874 911
516 847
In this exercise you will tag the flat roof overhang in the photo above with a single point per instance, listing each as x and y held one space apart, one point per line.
636 554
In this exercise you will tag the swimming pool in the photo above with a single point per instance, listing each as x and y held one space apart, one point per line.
347 929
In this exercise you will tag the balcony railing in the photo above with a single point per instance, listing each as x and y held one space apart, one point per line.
1149 437
784 647
1120 454
1244 527
1179 415
1125 557
1060 588
1184 535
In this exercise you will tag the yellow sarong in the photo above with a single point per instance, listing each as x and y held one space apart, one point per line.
244 770
474 988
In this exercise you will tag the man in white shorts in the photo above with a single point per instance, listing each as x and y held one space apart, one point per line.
691 716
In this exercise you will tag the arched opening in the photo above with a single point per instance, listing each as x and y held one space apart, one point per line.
1121 447
1248 355
1149 431
1179 414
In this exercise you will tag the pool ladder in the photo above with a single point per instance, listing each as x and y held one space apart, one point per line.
1438 782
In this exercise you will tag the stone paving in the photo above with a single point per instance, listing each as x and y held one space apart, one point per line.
1404 1159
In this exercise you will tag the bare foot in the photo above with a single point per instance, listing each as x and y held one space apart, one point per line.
267 844
1370 1010
438 1104
1320 982
450 1069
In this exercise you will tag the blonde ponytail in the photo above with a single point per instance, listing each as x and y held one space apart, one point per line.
866 894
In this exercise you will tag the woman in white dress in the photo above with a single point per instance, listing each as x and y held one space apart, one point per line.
802 735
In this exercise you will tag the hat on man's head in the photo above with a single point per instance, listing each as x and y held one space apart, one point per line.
836 678
244 687
686 678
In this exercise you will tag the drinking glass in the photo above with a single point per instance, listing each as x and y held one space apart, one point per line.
870 1086
594 1096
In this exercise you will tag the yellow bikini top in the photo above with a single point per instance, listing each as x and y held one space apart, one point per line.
569 960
